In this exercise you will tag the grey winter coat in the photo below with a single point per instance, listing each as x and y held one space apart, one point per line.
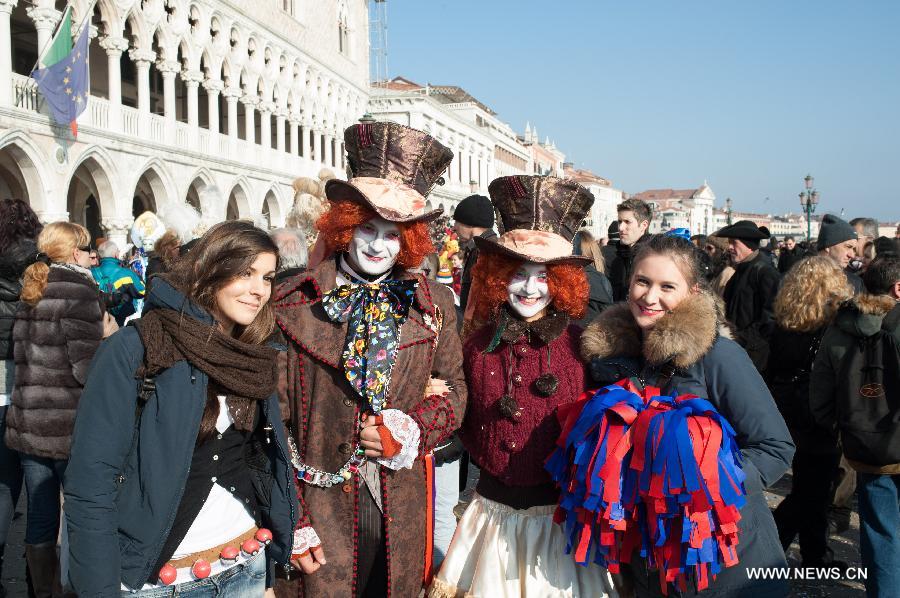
707 364
54 344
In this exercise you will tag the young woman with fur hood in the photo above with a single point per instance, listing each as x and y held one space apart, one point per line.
670 333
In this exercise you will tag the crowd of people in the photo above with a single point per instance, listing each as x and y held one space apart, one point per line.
249 414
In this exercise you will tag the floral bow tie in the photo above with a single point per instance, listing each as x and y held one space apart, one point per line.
375 311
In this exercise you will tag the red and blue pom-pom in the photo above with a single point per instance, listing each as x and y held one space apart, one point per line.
654 474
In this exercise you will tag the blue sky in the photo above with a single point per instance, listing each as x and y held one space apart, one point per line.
749 95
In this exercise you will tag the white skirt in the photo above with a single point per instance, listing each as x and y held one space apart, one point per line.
501 552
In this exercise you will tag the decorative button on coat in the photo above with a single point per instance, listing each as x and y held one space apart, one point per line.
344 448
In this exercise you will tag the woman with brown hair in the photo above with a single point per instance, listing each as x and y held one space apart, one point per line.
55 336
808 301
179 473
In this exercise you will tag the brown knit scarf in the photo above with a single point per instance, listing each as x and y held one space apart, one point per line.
247 373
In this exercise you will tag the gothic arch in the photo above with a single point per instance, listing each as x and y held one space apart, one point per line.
238 206
102 171
159 182
27 158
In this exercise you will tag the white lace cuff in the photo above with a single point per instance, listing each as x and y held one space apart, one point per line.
405 430
304 539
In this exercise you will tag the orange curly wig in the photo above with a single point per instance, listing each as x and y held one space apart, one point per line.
567 283
336 228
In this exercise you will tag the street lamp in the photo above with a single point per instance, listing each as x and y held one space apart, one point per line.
809 199
728 211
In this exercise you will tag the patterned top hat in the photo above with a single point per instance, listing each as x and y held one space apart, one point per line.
538 218
392 168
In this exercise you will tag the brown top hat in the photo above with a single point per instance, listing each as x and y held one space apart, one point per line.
538 218
392 169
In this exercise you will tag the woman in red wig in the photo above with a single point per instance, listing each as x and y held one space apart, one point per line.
521 366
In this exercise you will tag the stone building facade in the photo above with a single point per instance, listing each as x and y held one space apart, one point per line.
219 103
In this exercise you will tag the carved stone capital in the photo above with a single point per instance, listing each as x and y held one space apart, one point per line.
250 100
114 45
168 68
7 6
192 78
213 85
142 57
232 93
43 16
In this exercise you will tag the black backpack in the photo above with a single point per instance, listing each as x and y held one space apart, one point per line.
868 397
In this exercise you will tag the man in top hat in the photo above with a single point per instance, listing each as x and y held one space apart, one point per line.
838 240
371 380
750 293
473 217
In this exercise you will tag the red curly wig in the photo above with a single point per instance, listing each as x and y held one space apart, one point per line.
567 283
336 228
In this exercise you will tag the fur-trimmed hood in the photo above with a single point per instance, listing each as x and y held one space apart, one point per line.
683 336
864 315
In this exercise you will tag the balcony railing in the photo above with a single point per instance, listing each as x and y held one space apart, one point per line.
148 128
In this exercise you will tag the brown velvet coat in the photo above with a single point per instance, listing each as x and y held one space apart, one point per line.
320 408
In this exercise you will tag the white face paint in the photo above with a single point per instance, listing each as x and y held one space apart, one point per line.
374 247
529 294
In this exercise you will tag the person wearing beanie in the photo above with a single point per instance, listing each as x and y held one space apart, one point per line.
473 217
612 240
837 240
750 293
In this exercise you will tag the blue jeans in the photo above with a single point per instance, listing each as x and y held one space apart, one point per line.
43 480
10 482
446 490
247 580
879 532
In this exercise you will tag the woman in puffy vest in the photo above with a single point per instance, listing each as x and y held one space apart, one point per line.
55 336
670 333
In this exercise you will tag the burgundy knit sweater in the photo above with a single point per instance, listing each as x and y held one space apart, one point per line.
514 451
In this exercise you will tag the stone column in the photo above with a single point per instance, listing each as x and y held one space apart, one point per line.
306 140
318 152
192 81
295 131
265 124
250 103
328 153
117 229
114 47
6 93
168 69
142 60
213 87
280 117
45 19
231 98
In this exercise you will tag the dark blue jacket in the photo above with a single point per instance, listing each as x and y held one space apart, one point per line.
718 369
121 498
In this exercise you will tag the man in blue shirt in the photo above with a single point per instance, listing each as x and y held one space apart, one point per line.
120 286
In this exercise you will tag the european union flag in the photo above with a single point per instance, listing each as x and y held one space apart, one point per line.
65 83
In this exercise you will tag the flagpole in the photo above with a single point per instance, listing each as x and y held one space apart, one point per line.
49 42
